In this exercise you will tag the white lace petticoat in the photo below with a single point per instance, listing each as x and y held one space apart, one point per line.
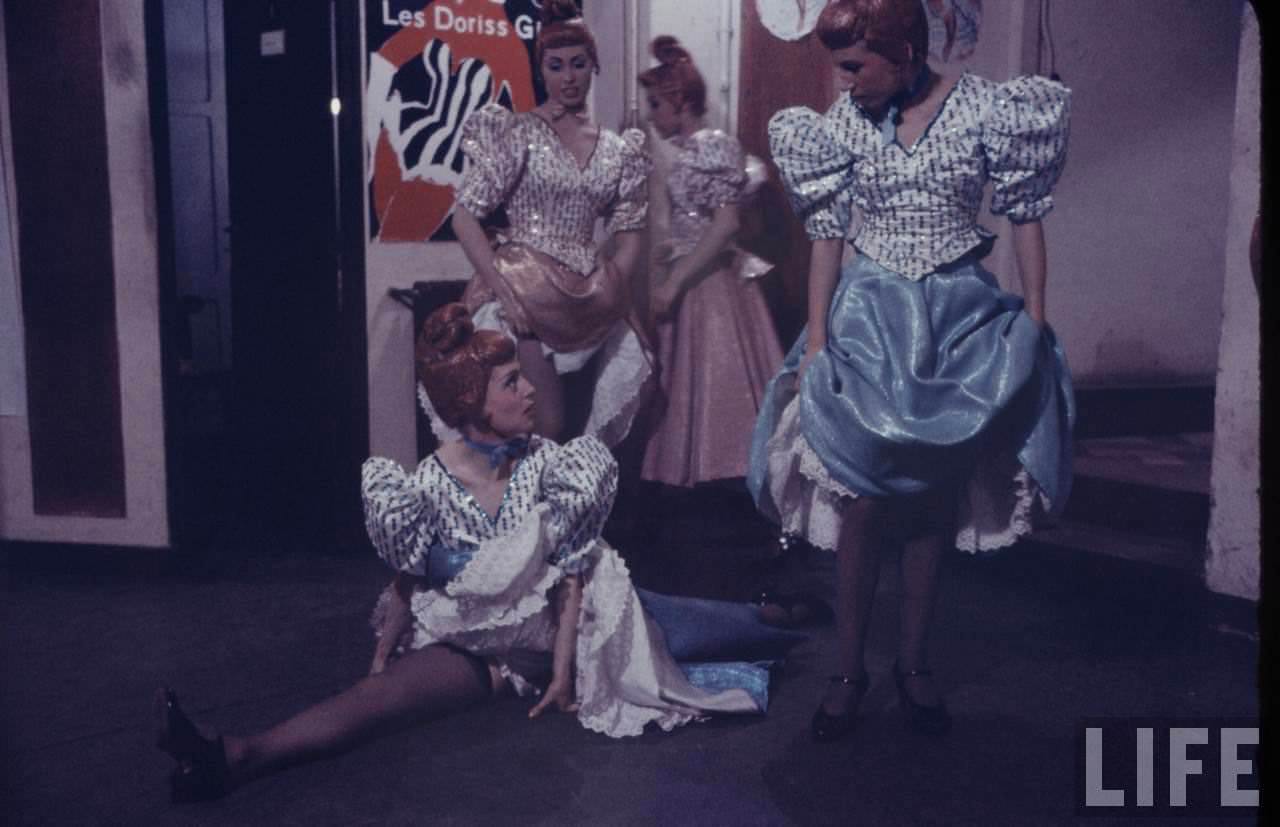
1000 503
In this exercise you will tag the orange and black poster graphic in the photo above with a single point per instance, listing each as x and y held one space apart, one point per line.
431 64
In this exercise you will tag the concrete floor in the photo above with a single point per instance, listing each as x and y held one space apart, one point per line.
1026 645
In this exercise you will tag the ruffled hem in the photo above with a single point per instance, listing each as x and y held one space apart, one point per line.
999 505
809 501
622 385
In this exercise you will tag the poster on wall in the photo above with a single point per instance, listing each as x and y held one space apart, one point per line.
431 64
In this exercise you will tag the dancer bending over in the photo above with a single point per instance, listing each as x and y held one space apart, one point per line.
922 405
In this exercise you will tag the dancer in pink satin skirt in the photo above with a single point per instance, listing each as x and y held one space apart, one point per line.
564 298
716 343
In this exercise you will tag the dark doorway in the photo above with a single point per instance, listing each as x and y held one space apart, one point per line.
268 451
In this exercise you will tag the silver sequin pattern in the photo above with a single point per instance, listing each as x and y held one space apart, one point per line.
919 206
517 161
407 514
707 172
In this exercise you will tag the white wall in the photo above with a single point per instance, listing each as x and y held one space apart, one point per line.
1235 520
132 183
708 30
1136 242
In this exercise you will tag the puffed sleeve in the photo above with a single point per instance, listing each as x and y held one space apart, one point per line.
630 207
578 483
816 168
717 169
495 158
1025 139
398 514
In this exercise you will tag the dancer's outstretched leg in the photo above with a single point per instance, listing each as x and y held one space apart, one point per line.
428 682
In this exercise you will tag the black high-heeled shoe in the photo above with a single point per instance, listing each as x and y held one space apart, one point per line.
826 727
201 774
934 720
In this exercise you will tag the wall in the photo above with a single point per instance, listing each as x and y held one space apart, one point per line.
1235 520
1136 243
133 216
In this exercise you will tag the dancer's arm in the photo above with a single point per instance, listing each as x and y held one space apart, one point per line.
824 270
1028 247
689 268
560 691
476 246
399 616
627 247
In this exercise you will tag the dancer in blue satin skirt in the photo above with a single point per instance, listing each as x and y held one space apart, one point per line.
922 405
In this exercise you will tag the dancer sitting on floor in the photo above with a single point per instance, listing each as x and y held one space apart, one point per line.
502 583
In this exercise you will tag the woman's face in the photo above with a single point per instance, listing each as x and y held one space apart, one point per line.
508 402
663 114
869 77
567 74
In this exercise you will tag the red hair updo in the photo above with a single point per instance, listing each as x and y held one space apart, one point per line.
562 28
887 26
675 77
454 361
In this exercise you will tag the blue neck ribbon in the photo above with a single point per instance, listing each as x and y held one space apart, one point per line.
889 125
499 451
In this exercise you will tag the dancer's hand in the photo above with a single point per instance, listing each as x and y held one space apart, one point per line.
509 307
664 300
381 655
398 618
809 354
661 254
559 695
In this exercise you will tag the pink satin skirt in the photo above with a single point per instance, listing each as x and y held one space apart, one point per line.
564 309
717 356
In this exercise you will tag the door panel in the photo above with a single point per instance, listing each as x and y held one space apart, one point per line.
87 464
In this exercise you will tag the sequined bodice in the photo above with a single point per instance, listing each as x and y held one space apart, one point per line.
708 171
918 206
552 201
415 517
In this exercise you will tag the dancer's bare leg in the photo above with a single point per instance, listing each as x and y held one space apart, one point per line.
857 571
427 682
538 368
919 566
919 573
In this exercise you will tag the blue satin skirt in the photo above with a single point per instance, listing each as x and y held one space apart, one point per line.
919 379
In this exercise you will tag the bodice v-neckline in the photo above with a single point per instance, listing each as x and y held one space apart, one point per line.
580 166
471 499
934 118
